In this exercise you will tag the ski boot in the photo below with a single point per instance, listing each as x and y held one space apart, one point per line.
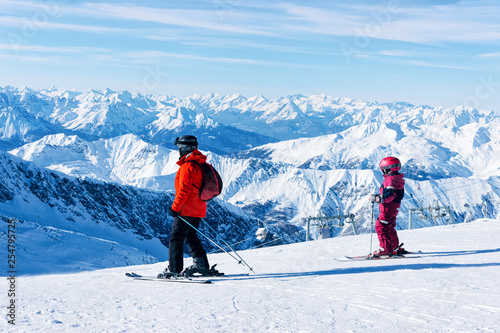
197 271
382 253
167 274
198 268
213 272
399 251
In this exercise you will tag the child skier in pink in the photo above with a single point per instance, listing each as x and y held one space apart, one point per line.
389 199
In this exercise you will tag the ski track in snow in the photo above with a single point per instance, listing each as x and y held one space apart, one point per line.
453 287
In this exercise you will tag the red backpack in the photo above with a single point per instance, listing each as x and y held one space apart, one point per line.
212 182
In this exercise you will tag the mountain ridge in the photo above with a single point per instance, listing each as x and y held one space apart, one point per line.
238 122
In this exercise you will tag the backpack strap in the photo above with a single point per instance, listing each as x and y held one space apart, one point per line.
199 189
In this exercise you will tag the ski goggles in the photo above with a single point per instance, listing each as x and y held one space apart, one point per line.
188 143
182 146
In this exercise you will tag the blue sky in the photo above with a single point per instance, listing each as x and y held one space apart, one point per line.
438 53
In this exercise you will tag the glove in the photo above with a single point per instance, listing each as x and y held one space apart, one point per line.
375 198
172 212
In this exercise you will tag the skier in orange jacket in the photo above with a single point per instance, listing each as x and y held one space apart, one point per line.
188 205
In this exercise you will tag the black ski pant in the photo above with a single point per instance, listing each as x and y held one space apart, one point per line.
182 232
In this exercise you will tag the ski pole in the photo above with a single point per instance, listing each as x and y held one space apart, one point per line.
229 246
371 230
201 233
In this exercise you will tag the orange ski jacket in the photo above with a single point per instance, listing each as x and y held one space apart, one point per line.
188 182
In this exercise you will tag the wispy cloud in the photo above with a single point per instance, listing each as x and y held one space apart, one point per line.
146 56
398 53
437 65
54 49
21 22
417 22
110 18
416 53
17 6
241 44
463 21
490 55
320 21
188 18
411 58
37 59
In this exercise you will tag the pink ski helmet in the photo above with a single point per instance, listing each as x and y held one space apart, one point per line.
389 164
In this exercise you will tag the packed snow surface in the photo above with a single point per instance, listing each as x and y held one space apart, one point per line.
452 287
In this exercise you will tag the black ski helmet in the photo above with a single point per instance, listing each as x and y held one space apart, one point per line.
186 144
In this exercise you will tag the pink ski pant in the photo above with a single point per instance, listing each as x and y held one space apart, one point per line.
386 226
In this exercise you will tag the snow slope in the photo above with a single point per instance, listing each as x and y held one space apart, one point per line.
452 287
47 249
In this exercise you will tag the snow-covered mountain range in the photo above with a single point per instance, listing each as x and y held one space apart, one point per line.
27 115
281 160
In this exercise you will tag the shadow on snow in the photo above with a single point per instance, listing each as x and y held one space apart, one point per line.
385 268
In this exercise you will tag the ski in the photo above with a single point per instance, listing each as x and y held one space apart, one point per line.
136 276
371 257
221 275
232 275
412 252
